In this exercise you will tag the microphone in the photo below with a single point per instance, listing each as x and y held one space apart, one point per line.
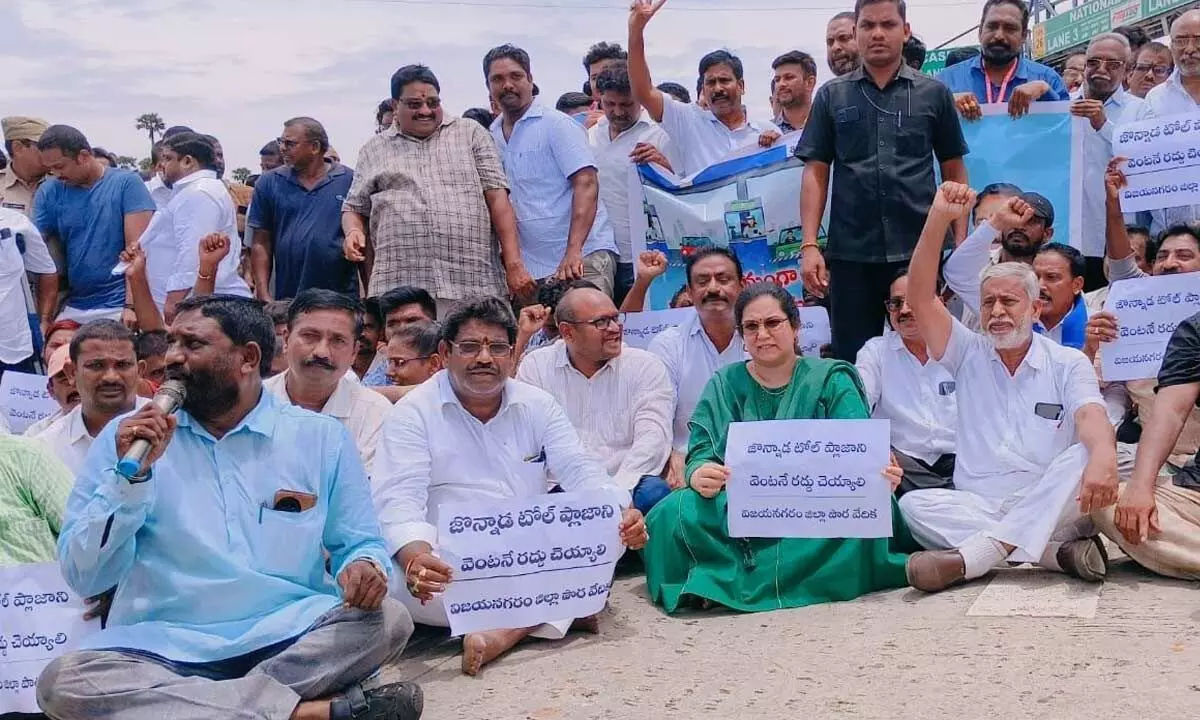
168 399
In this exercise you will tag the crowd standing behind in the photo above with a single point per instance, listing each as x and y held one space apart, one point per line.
444 323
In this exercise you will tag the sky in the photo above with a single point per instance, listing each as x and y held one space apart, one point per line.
237 69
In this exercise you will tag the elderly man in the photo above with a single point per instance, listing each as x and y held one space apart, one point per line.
434 191
472 433
619 399
1153 65
623 138
104 371
841 44
906 386
217 545
1104 103
696 349
25 171
1036 452
1178 95
319 343
564 228
95 212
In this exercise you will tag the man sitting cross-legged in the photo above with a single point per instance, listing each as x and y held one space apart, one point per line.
472 433
1036 451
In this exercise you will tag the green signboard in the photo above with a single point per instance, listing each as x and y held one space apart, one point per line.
1078 25
935 60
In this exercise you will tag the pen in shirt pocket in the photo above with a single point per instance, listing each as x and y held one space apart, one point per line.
540 457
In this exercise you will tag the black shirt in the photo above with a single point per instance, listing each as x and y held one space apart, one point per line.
1181 366
882 145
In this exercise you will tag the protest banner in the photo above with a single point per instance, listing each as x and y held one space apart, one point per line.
809 479
25 400
40 619
642 327
1148 310
523 562
749 203
1163 169
1041 152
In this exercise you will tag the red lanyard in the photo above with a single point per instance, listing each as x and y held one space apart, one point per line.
1003 85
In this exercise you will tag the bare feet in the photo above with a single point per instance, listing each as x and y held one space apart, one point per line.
589 624
481 648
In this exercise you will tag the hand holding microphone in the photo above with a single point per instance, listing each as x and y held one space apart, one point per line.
143 437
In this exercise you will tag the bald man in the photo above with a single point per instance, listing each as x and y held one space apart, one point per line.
619 399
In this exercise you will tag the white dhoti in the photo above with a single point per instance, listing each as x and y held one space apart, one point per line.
1023 510
434 612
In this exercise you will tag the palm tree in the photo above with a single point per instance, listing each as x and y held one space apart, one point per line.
152 123
241 175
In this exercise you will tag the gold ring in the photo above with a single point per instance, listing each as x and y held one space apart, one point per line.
421 575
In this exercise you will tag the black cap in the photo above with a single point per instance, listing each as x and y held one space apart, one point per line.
1041 206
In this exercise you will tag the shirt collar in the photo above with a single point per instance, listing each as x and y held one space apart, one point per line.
260 419
905 73
393 131
194 177
1021 73
74 426
447 396
602 127
562 359
339 404
1036 357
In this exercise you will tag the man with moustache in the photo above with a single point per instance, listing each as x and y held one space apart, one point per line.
25 172
1151 68
1036 451
470 433
623 138
619 399
869 148
1002 75
1179 94
905 385
320 345
564 229
1104 103
251 578
701 135
841 45
795 78
696 349
1072 74
104 371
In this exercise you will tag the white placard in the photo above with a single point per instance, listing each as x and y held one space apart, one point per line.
40 619
528 561
814 330
1164 162
1148 311
25 400
642 327
809 479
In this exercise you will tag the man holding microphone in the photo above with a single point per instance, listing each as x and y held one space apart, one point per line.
216 544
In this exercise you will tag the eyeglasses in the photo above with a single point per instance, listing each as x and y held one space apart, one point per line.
399 363
894 304
289 144
1160 71
751 327
1182 41
433 103
472 348
1096 63
601 323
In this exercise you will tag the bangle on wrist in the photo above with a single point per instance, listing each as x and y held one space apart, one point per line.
805 246
210 276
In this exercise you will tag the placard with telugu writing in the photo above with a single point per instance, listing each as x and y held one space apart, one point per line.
809 479
1163 169
40 619
642 327
25 400
1148 311
527 561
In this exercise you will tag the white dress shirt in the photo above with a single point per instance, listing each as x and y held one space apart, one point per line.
16 302
918 399
623 413
68 439
1003 442
159 192
700 139
691 360
1171 98
434 452
618 175
1121 108
359 408
199 205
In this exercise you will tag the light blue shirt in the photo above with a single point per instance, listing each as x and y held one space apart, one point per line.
1171 98
545 150
968 76
1121 108
205 570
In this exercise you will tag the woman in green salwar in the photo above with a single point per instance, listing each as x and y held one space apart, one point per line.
690 557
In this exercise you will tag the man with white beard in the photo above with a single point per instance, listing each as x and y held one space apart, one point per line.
1036 452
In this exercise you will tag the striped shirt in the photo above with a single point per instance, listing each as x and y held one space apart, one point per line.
34 486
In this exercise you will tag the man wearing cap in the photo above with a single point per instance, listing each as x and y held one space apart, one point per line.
20 180
22 251
60 386
1025 226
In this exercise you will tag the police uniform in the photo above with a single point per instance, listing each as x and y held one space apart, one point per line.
15 194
